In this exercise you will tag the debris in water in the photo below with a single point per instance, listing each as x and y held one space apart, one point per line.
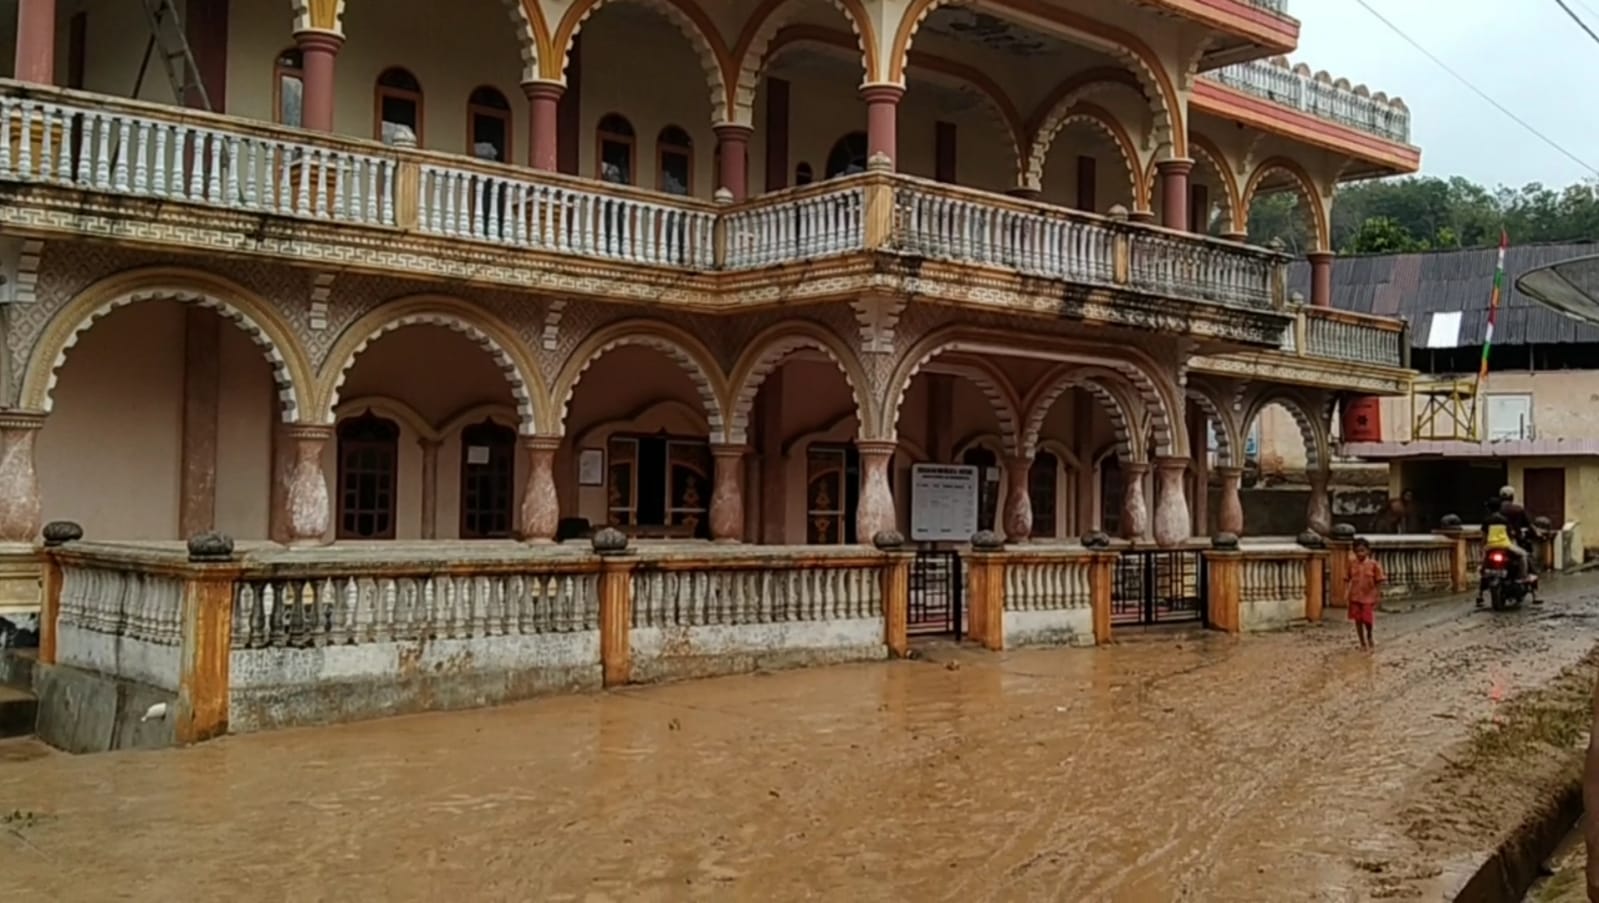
674 725
953 666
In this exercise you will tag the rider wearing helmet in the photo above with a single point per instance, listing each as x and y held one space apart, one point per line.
1509 529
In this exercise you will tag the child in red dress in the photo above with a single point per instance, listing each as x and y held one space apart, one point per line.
1365 579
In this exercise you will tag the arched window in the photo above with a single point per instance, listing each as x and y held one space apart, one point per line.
674 152
614 156
1043 483
288 88
399 106
488 125
804 175
488 479
368 464
848 155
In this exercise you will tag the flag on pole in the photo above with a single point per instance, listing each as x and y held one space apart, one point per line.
1493 307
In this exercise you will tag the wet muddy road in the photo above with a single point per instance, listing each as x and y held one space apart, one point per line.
1157 770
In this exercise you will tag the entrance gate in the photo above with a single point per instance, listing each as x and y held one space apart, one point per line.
1159 586
937 585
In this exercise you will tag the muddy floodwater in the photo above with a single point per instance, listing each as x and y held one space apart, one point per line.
1168 768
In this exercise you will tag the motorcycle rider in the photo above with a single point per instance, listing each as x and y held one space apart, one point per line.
1520 526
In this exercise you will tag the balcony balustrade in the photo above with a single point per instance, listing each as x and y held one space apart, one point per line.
65 140
1320 96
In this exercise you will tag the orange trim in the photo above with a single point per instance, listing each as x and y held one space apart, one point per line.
706 29
1308 196
865 41
1170 98
541 31
793 34
1235 199
1230 103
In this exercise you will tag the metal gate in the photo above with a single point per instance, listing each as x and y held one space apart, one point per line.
937 585
1159 586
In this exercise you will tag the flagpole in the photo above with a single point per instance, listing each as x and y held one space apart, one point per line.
1493 315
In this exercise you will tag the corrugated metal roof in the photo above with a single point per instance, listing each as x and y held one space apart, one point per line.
1413 286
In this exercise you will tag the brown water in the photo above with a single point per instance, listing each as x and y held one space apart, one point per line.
1171 769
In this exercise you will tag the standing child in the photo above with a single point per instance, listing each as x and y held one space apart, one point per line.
1365 579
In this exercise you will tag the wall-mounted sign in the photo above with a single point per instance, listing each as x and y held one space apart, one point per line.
943 503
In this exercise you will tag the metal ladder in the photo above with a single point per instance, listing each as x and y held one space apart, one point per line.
171 41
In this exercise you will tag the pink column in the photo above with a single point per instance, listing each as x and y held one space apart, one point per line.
308 516
1230 517
20 511
1135 511
36 42
727 499
318 51
1018 500
734 142
875 511
1172 520
882 126
430 488
1318 513
541 505
543 140
1321 263
1174 192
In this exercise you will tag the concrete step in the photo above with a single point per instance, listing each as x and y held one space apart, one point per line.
19 711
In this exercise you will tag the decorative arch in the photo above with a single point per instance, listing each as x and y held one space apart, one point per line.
532 34
499 413
1313 429
290 370
661 408
1104 386
1229 441
754 48
769 350
1106 122
1068 458
1316 212
1160 90
715 59
392 408
998 103
457 316
683 348
1232 195
1162 401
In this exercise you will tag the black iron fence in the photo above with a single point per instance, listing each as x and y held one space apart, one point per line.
936 590
1159 586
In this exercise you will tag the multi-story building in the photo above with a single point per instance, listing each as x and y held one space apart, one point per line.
696 268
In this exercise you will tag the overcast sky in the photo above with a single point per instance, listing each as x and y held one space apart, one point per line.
1526 54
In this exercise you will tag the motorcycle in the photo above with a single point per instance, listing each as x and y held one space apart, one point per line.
1505 592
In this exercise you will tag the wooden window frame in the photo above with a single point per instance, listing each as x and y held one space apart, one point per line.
632 505
279 72
474 110
510 522
381 91
601 135
663 147
392 447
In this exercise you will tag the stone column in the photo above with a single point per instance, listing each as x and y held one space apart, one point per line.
36 43
1318 513
875 511
1321 264
1230 515
1018 500
882 122
318 51
734 142
544 130
1172 520
541 505
308 516
20 510
1174 192
202 387
727 499
1135 511
430 488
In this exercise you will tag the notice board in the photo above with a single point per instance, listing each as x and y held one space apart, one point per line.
943 503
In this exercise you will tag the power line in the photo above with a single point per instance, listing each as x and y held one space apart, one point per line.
1578 19
1476 90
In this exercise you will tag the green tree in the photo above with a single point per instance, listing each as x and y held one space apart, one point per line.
1383 235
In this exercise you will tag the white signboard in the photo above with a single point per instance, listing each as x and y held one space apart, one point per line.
943 503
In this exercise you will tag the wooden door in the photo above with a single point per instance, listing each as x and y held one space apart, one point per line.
1546 493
